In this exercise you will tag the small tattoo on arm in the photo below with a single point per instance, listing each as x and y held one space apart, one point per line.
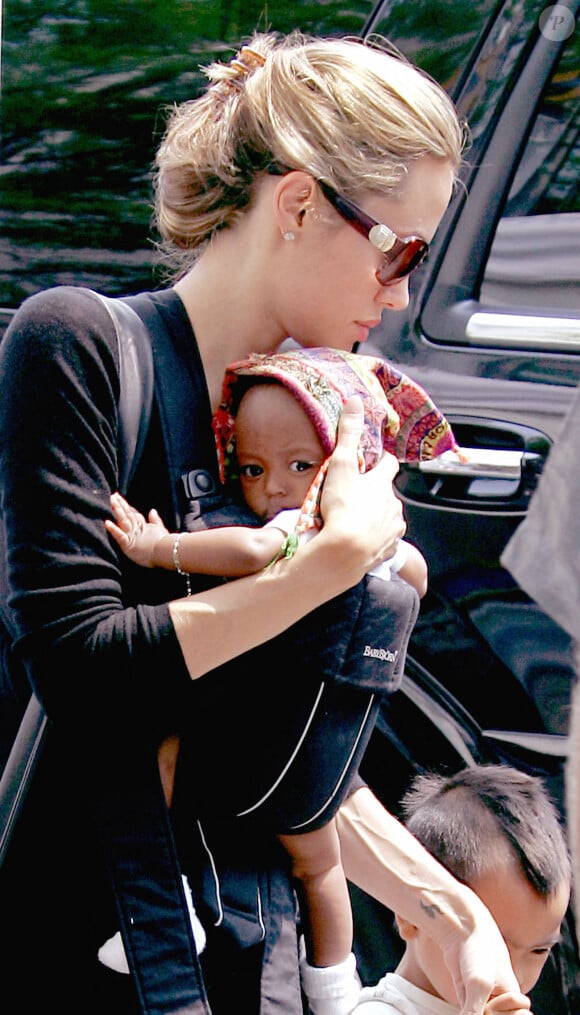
431 910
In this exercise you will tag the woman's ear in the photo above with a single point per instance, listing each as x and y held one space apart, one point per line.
294 194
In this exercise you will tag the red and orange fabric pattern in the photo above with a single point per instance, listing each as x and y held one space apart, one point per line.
400 417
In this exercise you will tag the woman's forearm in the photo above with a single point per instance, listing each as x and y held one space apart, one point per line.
386 861
362 523
221 623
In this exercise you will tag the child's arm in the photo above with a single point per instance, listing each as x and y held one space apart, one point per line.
411 566
231 551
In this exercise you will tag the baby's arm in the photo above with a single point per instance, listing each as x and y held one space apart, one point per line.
413 566
232 551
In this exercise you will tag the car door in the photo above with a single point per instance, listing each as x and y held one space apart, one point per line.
493 332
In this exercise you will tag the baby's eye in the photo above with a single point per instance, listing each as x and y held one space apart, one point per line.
299 466
542 951
251 471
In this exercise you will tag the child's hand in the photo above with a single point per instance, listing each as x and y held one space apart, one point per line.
134 534
510 1003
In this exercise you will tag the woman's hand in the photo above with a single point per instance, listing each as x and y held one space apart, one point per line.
136 535
364 506
480 966
510 1003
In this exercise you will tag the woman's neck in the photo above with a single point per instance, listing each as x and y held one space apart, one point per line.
228 321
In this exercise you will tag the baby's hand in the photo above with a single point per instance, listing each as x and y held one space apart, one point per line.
134 534
507 1003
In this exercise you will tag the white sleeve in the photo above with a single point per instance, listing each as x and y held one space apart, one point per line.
387 568
400 557
286 520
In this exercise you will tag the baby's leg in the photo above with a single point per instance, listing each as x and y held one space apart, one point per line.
112 952
323 894
167 760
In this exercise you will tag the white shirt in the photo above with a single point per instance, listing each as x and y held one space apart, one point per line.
393 995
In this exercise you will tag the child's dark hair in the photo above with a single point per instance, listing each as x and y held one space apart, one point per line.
463 818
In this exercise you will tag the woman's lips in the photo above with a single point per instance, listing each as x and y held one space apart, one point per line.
364 328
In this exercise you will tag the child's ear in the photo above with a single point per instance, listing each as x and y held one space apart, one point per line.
407 930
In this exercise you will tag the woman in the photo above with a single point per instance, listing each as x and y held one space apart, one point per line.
270 194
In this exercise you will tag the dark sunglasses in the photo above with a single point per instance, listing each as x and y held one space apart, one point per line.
401 256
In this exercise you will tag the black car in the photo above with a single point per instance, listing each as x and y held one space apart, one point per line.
492 331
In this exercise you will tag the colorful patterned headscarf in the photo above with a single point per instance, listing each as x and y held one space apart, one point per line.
399 415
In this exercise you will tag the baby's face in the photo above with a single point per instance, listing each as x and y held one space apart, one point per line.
529 924
277 448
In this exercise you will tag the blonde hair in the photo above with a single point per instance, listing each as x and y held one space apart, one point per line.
345 110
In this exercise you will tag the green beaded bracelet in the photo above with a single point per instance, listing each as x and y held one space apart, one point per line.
287 550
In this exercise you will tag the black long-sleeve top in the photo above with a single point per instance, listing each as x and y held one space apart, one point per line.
95 633
94 630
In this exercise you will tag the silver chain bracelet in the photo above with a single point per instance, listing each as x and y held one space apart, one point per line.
178 566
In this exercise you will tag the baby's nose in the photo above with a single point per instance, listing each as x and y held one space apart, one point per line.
275 482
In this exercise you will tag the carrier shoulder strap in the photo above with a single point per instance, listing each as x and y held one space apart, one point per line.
136 381
134 823
182 401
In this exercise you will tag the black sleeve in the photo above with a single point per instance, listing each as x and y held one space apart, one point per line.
81 643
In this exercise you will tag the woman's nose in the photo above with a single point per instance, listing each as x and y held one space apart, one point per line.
395 296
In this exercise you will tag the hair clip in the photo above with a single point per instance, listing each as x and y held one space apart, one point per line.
246 61
243 64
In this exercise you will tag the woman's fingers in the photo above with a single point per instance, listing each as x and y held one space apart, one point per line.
350 425
481 969
508 1002
362 504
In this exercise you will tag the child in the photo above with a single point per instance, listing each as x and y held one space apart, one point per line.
274 431
497 831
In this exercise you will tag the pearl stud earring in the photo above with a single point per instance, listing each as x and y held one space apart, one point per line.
289 235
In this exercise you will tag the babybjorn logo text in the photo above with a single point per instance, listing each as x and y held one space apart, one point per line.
384 654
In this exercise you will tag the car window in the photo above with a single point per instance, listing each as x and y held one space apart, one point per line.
437 35
520 252
542 212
